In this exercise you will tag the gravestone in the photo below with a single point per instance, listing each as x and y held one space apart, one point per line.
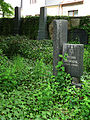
17 13
42 33
74 62
59 37
78 35
17 20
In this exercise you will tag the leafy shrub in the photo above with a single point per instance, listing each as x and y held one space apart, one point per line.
34 100
87 58
12 74
62 77
76 100
39 95
74 42
32 49
43 96
29 27
22 69
7 73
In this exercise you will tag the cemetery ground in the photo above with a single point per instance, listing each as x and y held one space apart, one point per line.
28 89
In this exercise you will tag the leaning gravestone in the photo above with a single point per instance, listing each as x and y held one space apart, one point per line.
59 37
42 33
74 62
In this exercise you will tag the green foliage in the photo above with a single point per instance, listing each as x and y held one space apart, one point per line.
32 49
29 26
30 91
7 75
76 100
62 77
85 24
86 58
6 8
74 42
12 74
43 98
6 26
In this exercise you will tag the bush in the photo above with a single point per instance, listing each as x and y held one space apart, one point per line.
13 73
31 49
45 96
87 58
7 74
76 100
29 26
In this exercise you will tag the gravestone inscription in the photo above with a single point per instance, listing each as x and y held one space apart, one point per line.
59 37
74 62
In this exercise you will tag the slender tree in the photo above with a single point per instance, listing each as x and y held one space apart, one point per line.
6 8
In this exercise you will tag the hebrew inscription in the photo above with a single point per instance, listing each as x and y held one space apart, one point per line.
74 62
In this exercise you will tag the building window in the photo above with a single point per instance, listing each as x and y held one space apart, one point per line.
32 1
73 13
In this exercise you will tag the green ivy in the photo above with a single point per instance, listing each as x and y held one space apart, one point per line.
29 26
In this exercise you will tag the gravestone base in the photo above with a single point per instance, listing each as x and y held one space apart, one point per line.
79 85
75 80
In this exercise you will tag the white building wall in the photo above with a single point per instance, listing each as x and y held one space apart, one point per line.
27 8
53 11
14 3
32 9
53 2
83 9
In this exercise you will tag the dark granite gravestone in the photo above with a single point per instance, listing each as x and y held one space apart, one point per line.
42 33
74 62
78 35
17 13
17 20
59 37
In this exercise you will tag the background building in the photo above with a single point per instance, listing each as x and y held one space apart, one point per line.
54 7
68 7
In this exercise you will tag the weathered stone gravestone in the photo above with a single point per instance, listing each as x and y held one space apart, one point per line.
17 20
42 33
74 62
78 35
59 37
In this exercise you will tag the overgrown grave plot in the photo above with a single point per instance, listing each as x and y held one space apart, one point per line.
31 49
37 97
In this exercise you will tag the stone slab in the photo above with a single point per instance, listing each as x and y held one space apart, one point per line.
60 28
74 62
42 32
78 35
